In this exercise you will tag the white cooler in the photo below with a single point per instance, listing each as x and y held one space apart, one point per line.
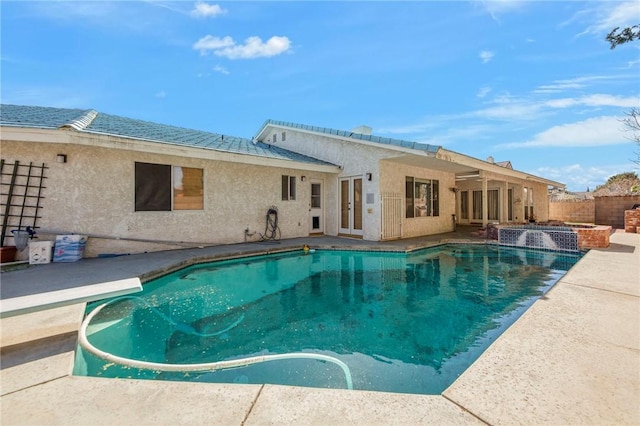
40 252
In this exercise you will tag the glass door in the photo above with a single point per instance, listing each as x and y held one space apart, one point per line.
351 206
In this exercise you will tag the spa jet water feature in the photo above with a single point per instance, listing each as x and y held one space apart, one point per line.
540 237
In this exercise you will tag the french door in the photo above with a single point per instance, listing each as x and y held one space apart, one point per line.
351 206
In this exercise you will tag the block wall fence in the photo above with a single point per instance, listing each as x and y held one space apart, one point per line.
609 210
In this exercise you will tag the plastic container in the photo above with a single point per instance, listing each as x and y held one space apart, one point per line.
69 248
40 252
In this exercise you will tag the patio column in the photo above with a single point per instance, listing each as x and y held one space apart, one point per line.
485 203
504 208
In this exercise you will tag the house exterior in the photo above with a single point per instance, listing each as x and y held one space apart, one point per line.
134 186
389 188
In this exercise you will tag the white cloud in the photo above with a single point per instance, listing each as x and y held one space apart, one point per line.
484 91
210 42
508 108
161 94
607 15
253 47
597 131
221 70
486 56
205 10
578 177
495 8
621 15
572 83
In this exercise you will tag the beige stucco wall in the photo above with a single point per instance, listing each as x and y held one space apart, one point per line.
394 177
93 194
356 160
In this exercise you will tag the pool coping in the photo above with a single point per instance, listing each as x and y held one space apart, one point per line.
473 399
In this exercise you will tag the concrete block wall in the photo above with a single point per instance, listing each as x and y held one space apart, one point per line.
610 210
632 221
573 211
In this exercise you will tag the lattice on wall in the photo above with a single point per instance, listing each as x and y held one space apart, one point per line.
21 194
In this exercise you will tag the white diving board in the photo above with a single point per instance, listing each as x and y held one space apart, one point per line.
54 299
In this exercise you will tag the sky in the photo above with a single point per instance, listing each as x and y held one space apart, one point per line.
531 82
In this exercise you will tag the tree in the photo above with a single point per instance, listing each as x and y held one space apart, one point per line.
632 124
619 36
620 184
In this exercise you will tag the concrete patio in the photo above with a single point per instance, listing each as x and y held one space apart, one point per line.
573 358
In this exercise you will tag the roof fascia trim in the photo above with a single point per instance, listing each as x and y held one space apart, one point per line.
492 168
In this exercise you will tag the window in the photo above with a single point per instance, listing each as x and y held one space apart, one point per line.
161 187
284 136
493 204
422 197
464 205
288 187
528 204
477 205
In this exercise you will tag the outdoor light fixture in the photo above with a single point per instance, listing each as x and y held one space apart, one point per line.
368 175
61 158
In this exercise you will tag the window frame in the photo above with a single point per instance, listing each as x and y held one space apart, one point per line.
154 187
288 188
429 190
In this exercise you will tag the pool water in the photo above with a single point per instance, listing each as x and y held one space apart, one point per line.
408 323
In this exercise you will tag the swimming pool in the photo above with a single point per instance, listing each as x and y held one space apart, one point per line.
381 321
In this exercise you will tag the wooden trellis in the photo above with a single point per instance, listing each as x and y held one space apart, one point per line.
21 193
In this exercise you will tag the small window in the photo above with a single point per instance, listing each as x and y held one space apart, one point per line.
162 187
288 188
275 138
284 136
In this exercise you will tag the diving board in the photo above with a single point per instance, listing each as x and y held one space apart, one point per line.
54 299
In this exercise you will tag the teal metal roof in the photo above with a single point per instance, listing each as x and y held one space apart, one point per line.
350 134
38 117
91 121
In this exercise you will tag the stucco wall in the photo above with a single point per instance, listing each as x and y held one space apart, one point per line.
394 175
93 194
356 160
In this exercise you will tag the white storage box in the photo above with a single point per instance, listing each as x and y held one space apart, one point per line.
69 248
40 252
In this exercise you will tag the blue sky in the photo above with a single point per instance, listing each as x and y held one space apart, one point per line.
533 82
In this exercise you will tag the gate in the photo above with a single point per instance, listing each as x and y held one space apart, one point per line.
391 215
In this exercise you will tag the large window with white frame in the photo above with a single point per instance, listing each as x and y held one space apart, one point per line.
163 187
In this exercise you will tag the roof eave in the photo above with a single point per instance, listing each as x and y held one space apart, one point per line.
261 135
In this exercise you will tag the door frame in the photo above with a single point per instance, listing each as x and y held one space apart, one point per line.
354 204
316 211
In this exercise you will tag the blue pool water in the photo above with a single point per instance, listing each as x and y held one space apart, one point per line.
407 323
